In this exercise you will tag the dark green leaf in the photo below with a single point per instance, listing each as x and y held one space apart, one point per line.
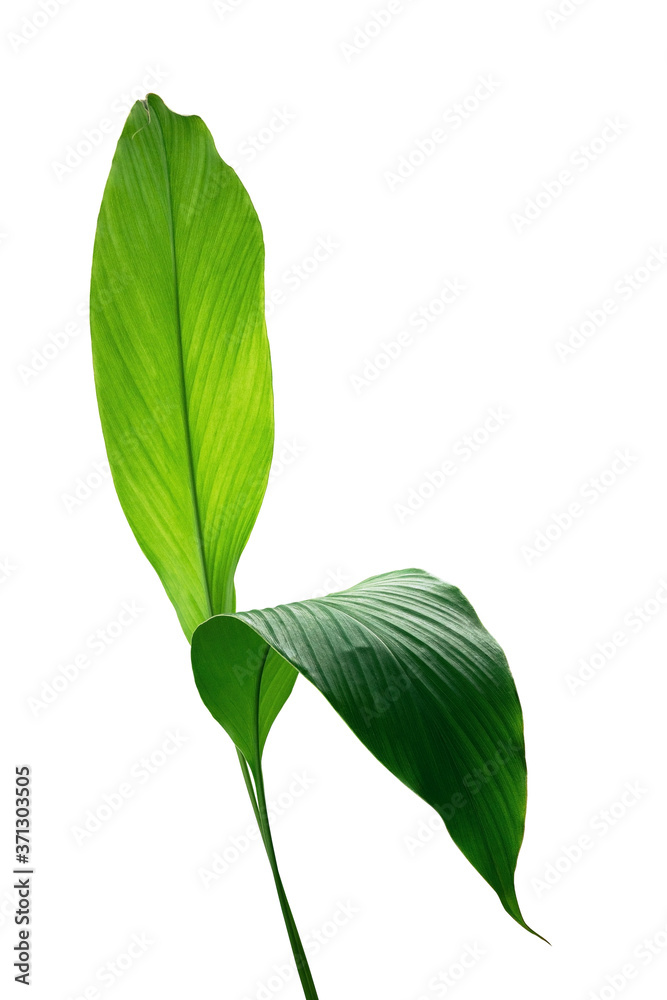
405 661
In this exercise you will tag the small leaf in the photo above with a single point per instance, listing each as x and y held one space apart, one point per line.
405 661
246 680
181 357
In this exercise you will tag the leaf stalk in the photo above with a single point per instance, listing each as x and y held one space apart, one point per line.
258 799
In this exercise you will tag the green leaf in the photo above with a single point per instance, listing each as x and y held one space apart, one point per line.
246 680
181 357
405 661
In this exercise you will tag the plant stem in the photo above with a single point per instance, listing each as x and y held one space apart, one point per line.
297 947
251 789
258 800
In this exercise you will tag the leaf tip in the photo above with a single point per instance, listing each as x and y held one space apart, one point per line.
512 907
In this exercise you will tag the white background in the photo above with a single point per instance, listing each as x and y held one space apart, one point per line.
330 515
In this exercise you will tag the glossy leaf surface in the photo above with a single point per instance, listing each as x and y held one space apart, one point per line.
405 661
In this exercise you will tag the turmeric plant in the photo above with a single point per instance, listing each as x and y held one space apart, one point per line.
184 387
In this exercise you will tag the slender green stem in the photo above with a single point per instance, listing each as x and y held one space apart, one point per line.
258 799
254 782
297 947
251 789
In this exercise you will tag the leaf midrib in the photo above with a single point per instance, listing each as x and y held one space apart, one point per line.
183 388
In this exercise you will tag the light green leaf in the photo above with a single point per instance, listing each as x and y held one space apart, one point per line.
181 357
405 661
